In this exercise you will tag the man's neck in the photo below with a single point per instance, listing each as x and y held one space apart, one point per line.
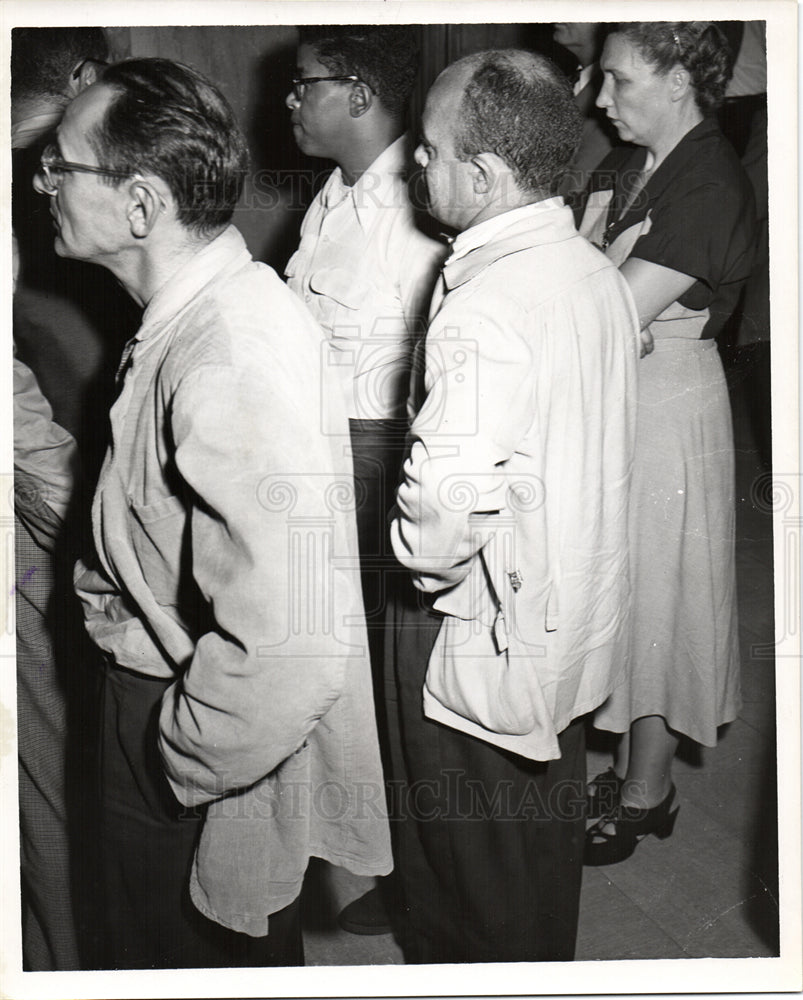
511 200
366 148
143 273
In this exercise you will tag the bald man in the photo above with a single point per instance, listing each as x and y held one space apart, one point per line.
511 517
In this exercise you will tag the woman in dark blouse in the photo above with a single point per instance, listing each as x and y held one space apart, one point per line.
675 212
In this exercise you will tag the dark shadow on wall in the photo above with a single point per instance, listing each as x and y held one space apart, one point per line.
283 180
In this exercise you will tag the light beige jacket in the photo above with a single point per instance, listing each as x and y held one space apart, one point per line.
513 505
224 523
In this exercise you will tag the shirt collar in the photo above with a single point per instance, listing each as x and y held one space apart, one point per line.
584 77
548 221
374 189
479 235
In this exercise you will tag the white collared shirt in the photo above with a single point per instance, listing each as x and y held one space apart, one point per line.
477 236
366 273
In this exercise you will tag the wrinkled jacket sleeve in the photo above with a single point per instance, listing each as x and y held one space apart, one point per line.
478 405
45 460
259 677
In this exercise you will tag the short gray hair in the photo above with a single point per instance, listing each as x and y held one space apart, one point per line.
519 106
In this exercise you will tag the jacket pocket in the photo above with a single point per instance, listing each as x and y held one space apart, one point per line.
490 682
161 543
479 669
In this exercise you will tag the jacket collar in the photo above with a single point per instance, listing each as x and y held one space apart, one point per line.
227 249
534 225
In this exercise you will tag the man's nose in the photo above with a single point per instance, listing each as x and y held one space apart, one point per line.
603 97
291 101
420 156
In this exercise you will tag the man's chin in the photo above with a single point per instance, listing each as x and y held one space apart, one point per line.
307 144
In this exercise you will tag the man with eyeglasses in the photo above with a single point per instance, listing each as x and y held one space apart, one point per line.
236 733
367 273
58 358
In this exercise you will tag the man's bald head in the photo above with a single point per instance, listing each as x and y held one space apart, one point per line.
519 106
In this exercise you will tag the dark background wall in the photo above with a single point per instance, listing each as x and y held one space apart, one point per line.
72 319
253 67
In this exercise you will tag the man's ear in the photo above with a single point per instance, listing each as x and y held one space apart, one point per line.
491 174
360 99
147 203
83 75
483 172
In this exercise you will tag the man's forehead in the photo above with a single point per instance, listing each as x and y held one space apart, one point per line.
306 58
443 100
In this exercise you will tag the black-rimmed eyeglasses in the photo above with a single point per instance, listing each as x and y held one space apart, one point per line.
52 167
302 82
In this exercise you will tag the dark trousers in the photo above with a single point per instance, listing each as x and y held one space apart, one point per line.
489 845
378 448
147 841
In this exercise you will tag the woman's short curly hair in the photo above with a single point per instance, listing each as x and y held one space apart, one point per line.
699 46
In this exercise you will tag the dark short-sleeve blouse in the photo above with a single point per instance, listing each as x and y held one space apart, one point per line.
701 213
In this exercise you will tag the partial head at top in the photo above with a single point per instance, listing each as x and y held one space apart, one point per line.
584 39
49 66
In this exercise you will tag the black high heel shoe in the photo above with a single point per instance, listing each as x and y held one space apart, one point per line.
605 799
629 827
